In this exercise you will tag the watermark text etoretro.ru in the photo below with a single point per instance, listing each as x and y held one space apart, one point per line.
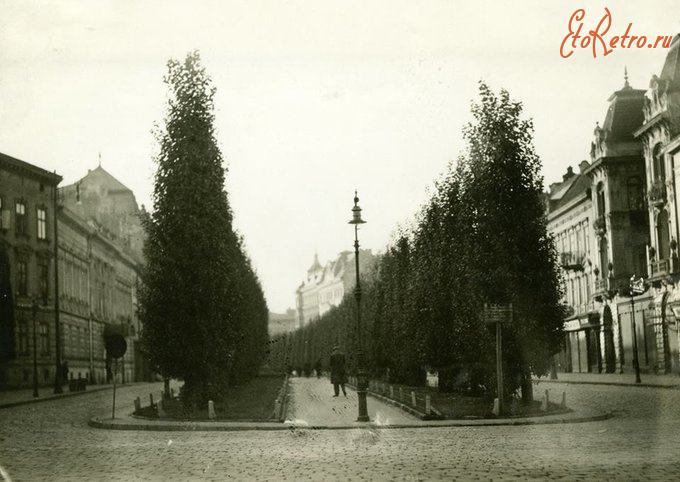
596 40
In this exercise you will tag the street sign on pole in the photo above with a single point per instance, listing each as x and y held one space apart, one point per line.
494 313
116 346
637 285
498 314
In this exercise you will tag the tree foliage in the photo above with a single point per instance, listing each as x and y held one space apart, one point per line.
203 310
481 238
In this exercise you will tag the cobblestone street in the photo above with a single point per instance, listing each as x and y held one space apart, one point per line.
52 441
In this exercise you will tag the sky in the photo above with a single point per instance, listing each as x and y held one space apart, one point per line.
314 100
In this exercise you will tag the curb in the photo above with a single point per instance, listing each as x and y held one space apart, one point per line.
403 406
241 426
619 384
55 397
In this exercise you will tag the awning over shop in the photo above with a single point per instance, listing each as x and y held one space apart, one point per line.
589 320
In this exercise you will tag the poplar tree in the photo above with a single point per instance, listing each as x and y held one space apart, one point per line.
514 257
202 308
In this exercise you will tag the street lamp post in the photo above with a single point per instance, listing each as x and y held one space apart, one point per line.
35 349
362 381
636 287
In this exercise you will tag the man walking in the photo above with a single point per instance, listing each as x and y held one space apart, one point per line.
338 377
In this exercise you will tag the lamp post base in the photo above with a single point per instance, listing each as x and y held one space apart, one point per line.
362 389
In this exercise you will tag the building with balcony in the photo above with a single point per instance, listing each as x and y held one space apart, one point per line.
660 137
326 286
28 319
569 212
627 194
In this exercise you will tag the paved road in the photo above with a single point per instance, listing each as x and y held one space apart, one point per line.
51 441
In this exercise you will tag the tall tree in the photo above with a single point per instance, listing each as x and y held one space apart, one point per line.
201 304
515 259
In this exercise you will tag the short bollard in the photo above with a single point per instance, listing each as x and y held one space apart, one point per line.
428 405
547 400
496 410
391 392
151 399
564 400
161 412
401 394
413 398
211 410
544 404
138 405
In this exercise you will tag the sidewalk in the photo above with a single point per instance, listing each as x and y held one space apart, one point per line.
312 403
627 379
12 398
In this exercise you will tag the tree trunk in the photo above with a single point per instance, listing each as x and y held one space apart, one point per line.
527 388
166 388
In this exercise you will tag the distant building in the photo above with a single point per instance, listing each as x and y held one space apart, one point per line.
326 286
27 287
280 323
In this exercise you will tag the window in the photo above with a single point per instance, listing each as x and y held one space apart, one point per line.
43 279
658 164
44 339
23 338
22 277
636 199
601 208
20 213
42 223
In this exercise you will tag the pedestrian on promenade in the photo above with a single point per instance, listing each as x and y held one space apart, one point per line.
338 376
317 368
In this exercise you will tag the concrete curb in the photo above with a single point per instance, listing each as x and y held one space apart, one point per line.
620 384
56 397
169 426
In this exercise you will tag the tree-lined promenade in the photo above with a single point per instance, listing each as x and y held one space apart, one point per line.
480 239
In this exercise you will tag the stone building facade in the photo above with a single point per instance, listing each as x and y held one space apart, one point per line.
98 296
100 261
29 320
326 286
626 194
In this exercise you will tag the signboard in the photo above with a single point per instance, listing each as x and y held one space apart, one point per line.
494 313
116 346
637 286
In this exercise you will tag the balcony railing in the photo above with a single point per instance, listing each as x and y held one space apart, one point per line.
657 193
572 260
658 268
600 285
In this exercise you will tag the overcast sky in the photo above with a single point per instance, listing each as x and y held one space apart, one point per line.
314 99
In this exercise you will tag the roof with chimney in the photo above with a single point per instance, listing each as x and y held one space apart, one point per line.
573 186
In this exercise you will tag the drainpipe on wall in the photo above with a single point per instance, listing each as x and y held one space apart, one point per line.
57 328
89 305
